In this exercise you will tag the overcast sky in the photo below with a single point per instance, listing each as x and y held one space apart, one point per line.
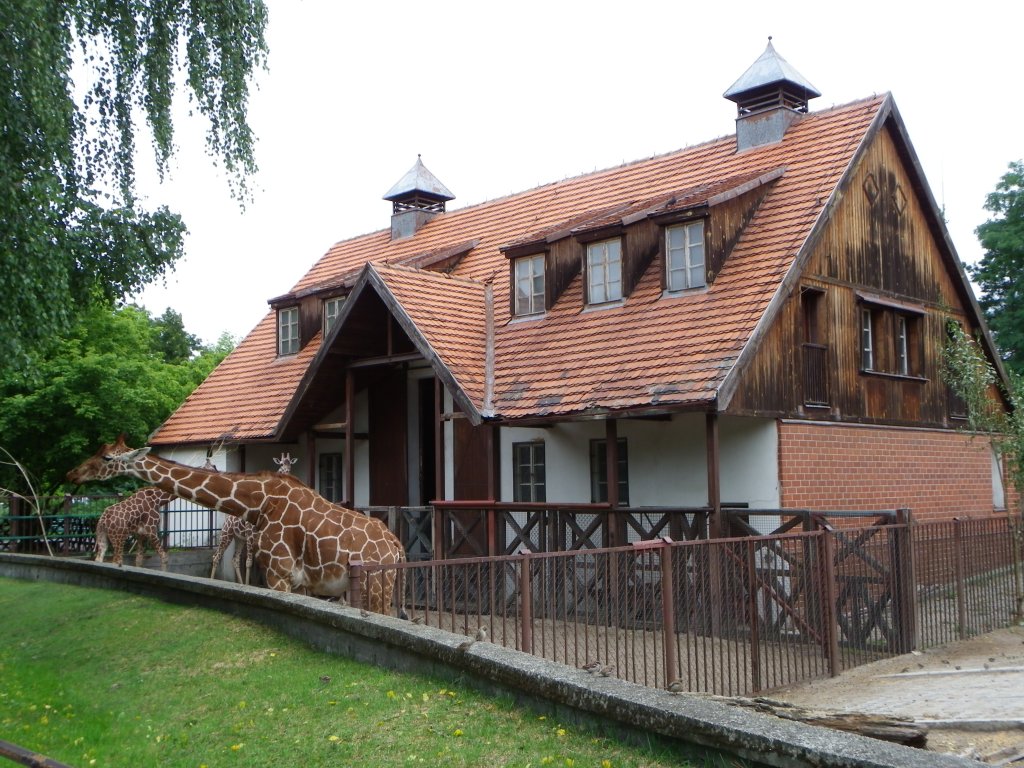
502 97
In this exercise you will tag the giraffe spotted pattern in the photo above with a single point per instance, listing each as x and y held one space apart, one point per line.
305 543
138 516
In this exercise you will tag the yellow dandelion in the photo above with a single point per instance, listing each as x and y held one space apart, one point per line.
457 732
569 762
606 764
332 737
236 747
547 760
426 697
561 732
391 694
542 717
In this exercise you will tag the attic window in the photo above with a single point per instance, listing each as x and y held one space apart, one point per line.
529 284
684 256
332 308
287 331
604 271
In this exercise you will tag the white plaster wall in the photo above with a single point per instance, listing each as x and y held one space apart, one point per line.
667 460
749 462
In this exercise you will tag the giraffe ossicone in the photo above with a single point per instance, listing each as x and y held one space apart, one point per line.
305 542
138 516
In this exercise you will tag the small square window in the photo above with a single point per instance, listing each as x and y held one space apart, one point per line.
684 256
529 289
332 308
288 331
604 271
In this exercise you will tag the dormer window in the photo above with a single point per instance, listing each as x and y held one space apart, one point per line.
287 331
529 276
332 308
604 271
684 256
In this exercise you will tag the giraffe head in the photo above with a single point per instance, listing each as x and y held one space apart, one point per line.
285 463
110 460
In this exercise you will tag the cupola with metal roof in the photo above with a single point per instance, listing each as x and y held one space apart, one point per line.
770 96
416 198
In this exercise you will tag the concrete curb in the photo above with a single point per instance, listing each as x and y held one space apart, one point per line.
697 724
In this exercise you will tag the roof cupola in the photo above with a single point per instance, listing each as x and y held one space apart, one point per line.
770 96
416 198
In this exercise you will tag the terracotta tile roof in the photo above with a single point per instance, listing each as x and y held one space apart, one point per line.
649 351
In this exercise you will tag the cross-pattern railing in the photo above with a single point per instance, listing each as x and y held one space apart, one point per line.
731 616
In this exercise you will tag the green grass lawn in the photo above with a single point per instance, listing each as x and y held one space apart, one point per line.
104 678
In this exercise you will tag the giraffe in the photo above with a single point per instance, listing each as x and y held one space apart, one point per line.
306 543
139 516
242 533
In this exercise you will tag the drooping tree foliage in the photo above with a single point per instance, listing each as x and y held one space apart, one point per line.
112 368
999 272
77 80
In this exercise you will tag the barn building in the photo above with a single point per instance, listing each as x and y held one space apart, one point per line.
756 321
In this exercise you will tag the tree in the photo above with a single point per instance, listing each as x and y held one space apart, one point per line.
108 375
177 344
998 273
71 230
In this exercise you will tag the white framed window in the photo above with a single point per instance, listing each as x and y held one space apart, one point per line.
684 256
529 481
604 271
867 340
529 272
902 347
332 308
288 331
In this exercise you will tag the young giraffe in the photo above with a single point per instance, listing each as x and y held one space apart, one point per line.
242 533
138 516
305 542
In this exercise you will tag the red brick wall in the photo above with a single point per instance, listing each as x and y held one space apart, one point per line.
938 475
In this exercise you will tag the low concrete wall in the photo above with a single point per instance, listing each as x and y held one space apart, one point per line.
698 725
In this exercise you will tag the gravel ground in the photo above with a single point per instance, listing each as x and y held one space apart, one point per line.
969 693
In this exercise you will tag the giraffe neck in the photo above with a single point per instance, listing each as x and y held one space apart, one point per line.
215 490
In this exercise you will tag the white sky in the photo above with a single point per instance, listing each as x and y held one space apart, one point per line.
501 97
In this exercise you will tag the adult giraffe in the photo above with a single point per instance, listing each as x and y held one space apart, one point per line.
305 542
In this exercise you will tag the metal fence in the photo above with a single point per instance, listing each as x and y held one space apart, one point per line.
730 616
68 524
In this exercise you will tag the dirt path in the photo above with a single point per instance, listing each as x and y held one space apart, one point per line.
970 694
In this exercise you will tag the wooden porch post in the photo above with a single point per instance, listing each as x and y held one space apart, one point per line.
311 461
611 438
350 442
716 526
438 552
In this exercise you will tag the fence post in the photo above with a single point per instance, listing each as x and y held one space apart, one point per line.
668 613
904 586
754 619
958 570
66 522
526 604
830 624
355 579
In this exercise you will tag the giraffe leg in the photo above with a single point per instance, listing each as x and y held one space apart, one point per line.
236 561
154 541
248 565
101 542
225 539
118 544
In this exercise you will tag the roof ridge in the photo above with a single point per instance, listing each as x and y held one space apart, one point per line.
377 265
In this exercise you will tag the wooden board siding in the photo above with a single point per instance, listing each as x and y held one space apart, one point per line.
389 477
878 243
